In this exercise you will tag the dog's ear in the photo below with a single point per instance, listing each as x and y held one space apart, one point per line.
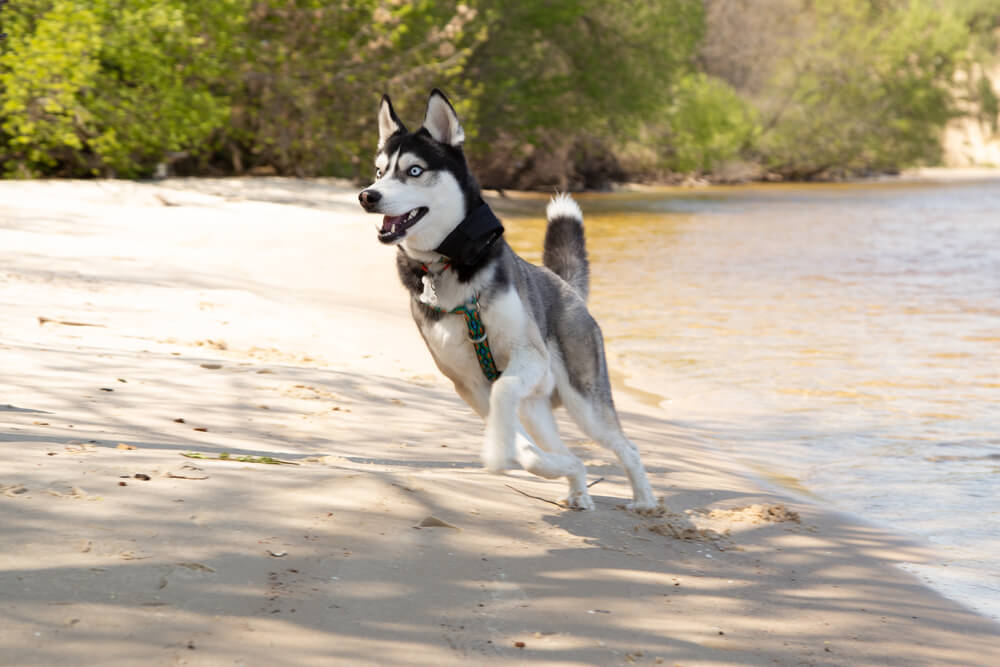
442 121
388 122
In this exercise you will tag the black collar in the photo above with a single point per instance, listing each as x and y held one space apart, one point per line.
469 243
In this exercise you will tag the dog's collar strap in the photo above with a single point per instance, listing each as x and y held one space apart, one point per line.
477 336
444 267
468 243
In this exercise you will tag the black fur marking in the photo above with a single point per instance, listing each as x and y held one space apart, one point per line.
392 116
437 156
501 281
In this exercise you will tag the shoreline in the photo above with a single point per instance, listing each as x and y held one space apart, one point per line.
293 341
691 183
912 175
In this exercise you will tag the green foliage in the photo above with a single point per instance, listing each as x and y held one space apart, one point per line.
43 72
983 19
305 96
567 63
552 74
708 125
304 99
989 104
109 86
553 94
225 456
869 88
159 74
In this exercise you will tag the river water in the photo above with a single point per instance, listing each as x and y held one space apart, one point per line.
842 341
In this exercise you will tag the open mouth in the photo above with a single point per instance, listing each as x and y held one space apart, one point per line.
394 226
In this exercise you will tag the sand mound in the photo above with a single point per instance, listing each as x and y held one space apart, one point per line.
756 514
680 528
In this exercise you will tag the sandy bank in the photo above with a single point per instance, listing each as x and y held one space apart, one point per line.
261 318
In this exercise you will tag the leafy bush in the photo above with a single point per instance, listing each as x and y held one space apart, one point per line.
708 124
44 71
110 86
565 93
552 76
305 96
868 88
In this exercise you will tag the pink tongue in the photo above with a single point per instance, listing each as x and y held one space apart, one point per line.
390 220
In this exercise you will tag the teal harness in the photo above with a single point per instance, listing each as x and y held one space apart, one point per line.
477 336
466 245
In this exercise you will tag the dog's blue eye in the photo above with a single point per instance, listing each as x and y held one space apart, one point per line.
415 170
378 173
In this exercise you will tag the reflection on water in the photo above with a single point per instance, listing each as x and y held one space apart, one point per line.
848 335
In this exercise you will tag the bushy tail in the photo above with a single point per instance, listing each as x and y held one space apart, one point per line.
565 251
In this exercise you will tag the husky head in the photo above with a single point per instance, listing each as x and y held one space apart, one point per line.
423 187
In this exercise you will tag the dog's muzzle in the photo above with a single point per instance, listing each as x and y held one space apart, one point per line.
369 199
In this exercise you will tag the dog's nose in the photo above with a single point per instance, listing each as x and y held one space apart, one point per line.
369 198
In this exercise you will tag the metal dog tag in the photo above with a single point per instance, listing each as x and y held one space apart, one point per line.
429 295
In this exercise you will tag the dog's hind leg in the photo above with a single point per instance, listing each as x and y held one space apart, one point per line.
523 383
598 419
551 455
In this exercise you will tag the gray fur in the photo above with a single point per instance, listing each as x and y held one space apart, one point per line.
562 317
565 252
569 336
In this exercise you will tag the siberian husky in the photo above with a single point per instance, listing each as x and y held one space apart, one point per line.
541 348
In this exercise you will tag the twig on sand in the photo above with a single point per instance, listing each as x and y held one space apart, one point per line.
552 502
175 476
544 500
43 320
224 456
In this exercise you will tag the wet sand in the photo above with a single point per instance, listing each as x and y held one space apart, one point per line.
260 320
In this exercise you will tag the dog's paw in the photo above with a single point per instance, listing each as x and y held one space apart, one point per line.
496 456
495 464
579 500
646 506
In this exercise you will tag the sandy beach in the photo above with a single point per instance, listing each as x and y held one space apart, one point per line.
222 442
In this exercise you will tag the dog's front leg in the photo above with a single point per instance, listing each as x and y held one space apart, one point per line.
519 379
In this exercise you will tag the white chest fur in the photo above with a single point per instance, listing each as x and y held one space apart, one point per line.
509 330
448 340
